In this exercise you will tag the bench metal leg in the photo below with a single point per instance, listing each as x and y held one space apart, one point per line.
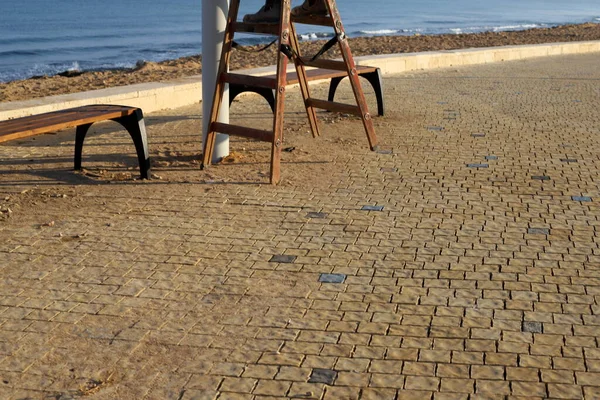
79 139
376 82
267 94
134 124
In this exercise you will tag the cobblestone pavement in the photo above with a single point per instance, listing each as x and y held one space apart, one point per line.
474 275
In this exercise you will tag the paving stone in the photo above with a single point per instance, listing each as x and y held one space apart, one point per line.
478 135
284 259
491 158
317 215
326 376
372 208
540 178
583 199
568 160
538 231
332 278
477 165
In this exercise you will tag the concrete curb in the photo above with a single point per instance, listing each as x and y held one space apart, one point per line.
157 96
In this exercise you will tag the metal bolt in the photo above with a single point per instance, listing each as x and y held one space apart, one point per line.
278 143
367 116
281 89
285 35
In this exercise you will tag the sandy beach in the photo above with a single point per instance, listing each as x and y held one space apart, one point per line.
153 72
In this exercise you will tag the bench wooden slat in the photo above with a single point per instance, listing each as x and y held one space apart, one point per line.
28 123
82 111
335 75
316 74
67 115
49 122
131 118
269 81
324 63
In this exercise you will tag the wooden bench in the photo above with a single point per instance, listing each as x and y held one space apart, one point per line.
371 74
131 118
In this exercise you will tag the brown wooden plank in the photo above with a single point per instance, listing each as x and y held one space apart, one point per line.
313 20
53 121
71 114
335 107
38 121
320 73
84 111
325 64
269 82
262 29
236 130
24 125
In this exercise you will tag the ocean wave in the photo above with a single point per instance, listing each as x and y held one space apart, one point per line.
381 32
517 27
15 53
56 39
501 28
314 35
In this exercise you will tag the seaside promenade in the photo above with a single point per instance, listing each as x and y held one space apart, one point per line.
459 262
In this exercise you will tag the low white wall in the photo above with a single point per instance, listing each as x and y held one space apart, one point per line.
157 96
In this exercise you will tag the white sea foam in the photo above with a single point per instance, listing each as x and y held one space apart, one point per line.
517 27
502 28
314 36
381 32
74 67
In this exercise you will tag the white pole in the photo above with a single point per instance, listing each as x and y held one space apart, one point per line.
214 21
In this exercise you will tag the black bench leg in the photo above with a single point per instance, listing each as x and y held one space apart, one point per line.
333 85
376 82
267 94
134 124
79 139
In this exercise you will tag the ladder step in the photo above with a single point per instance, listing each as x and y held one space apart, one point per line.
333 106
313 20
263 29
249 80
236 130
325 64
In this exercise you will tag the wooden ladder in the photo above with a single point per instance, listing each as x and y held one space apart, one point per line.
288 49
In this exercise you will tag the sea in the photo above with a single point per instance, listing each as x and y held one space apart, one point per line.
46 37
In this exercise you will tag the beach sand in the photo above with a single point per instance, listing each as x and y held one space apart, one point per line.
187 66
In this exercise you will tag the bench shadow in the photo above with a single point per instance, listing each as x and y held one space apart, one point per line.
49 177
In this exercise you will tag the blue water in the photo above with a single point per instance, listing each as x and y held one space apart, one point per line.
44 37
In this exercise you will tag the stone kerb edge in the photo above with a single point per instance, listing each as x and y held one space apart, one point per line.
157 96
